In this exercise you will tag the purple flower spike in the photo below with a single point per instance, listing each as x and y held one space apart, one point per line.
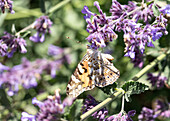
156 81
163 108
6 4
121 116
117 10
138 60
42 25
50 109
55 50
9 44
89 103
146 115
27 73
166 10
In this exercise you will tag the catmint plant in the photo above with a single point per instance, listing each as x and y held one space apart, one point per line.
134 34
124 18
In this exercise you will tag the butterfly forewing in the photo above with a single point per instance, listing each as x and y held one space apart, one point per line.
81 80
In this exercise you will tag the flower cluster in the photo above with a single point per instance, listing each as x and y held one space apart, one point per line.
147 115
100 31
42 26
126 18
6 4
162 110
90 102
28 72
138 60
165 10
49 110
10 43
122 116
156 81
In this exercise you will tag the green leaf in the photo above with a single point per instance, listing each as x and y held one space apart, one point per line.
155 10
74 111
109 89
133 87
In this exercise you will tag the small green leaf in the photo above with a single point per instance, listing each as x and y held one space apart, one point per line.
155 10
109 89
133 87
74 111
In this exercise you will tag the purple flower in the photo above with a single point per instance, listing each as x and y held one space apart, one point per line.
98 28
27 117
55 50
162 108
42 25
50 109
138 60
9 44
117 10
126 18
88 13
147 115
165 10
58 52
144 14
121 116
27 73
89 103
6 4
156 81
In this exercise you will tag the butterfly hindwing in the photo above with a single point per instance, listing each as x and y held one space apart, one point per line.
106 72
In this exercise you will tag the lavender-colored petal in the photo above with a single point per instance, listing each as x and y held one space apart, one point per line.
36 102
27 117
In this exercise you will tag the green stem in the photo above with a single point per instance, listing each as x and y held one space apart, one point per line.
123 102
102 104
24 29
149 66
121 91
59 5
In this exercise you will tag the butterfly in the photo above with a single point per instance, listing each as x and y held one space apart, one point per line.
95 69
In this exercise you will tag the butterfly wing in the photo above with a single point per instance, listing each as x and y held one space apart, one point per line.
81 80
106 73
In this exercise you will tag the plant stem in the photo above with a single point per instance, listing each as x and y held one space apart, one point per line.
123 102
102 104
149 66
59 5
121 91
24 29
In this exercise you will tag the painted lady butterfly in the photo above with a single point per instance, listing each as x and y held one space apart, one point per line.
95 69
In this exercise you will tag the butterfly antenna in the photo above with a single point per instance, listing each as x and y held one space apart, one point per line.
74 40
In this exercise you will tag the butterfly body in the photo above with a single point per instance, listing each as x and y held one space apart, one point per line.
95 69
